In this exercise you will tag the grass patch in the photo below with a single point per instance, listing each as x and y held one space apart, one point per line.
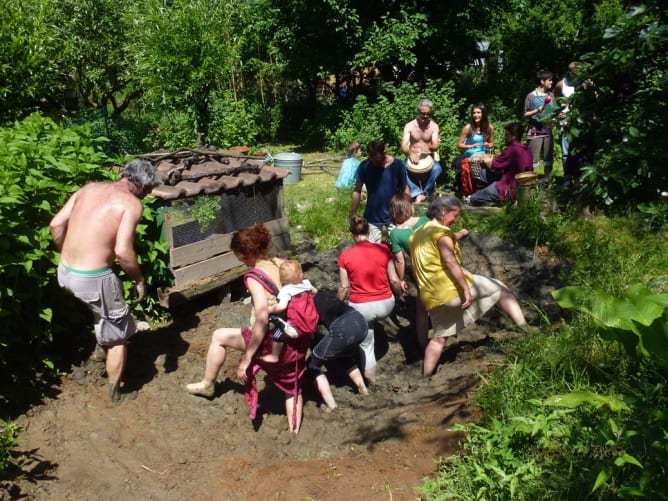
315 208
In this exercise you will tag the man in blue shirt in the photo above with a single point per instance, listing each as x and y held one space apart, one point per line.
383 175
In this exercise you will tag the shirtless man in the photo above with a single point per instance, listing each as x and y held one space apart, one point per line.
94 227
421 139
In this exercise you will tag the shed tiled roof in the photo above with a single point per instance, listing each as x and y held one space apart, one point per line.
189 173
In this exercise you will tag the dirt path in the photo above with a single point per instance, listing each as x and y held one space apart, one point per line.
162 443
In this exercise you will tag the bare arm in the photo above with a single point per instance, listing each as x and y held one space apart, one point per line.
357 196
279 307
462 137
395 283
124 248
344 284
447 250
58 225
435 143
406 140
259 327
400 266
463 233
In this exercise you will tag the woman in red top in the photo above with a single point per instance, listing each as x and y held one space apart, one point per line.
368 276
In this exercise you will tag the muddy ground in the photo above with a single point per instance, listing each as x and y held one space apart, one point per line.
161 443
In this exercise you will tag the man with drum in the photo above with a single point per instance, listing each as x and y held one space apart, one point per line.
420 143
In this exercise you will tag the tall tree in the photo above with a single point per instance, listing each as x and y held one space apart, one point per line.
93 57
29 79
186 50
625 112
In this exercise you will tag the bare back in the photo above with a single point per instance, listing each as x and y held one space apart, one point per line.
101 219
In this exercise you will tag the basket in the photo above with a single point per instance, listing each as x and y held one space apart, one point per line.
526 178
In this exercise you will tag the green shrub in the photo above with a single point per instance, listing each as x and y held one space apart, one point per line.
233 122
383 118
172 130
8 433
41 164
586 413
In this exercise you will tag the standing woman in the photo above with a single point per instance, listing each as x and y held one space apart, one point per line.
478 135
402 215
251 246
453 296
367 274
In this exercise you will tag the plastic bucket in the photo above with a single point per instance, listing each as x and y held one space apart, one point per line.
291 161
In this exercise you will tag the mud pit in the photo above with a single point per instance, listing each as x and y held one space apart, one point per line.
162 443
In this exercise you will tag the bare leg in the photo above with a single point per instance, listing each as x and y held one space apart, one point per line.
421 323
325 390
289 403
356 377
116 357
433 354
370 375
511 306
215 358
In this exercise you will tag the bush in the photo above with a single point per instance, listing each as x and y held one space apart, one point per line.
41 164
233 122
7 443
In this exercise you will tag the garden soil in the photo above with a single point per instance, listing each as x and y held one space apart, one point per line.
161 443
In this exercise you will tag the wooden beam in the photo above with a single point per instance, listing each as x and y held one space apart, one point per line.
174 296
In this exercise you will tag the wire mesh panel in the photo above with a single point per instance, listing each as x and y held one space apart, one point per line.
195 218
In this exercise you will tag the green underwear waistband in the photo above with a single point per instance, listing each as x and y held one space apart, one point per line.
99 271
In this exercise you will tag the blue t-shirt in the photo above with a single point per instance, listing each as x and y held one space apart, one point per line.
346 177
381 185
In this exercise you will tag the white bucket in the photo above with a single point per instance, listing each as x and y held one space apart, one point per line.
291 161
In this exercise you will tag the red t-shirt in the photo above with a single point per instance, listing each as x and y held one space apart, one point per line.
366 264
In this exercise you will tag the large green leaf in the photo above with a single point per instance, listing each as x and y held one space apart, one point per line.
579 397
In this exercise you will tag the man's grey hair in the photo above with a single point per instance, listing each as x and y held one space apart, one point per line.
425 103
447 202
140 173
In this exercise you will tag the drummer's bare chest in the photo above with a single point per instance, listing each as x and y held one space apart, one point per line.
422 133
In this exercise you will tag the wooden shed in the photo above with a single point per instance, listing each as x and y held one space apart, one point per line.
208 195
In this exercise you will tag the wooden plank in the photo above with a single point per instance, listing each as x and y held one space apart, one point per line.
174 296
221 263
215 244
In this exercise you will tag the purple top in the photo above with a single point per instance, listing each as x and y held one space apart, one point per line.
514 159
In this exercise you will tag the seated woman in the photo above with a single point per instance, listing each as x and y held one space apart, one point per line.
477 136
367 272
251 246
475 139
